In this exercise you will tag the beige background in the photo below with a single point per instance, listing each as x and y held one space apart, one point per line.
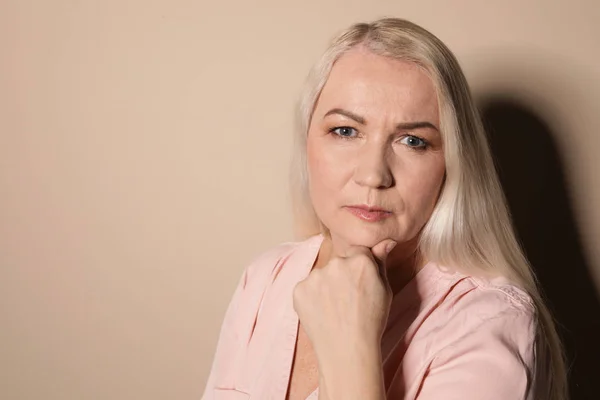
144 148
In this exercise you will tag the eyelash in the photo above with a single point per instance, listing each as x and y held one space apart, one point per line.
338 136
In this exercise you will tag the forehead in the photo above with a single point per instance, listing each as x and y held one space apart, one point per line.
364 82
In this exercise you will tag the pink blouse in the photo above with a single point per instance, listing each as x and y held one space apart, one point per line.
449 336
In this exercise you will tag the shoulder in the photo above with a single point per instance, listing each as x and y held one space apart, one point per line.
484 310
486 298
267 264
479 339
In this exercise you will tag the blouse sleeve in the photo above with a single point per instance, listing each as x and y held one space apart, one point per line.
226 339
494 361
240 316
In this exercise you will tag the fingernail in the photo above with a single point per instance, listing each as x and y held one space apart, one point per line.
390 247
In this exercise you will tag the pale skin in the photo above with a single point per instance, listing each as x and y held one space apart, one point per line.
373 141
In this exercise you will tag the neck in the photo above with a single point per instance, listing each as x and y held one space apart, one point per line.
403 266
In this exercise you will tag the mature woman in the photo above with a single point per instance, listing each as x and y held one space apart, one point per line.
412 284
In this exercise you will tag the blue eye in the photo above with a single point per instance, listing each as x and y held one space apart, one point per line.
414 142
344 132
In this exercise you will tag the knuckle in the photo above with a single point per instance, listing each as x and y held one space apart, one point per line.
362 257
363 261
336 262
335 265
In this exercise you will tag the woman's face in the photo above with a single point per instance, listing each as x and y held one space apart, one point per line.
374 151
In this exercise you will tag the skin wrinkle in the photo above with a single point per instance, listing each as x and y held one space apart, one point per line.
375 96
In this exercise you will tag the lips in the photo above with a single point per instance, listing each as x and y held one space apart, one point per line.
369 214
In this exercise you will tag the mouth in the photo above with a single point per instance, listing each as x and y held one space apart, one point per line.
368 213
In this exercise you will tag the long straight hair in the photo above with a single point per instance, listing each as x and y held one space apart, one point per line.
470 227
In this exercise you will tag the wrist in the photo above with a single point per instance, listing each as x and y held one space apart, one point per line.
354 374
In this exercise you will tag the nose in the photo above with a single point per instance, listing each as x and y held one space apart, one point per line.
372 169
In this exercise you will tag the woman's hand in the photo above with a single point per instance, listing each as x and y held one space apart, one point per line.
343 307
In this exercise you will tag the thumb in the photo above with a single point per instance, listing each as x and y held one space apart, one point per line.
381 250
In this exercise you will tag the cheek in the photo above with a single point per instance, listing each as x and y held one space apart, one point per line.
325 176
424 187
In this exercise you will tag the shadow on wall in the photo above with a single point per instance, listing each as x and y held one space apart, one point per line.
532 176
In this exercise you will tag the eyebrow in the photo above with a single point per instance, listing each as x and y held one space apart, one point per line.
361 120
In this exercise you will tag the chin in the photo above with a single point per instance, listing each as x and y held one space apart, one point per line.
366 235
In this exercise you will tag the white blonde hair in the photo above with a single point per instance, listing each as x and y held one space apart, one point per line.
470 227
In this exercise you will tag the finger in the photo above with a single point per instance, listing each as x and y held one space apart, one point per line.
377 253
380 252
355 250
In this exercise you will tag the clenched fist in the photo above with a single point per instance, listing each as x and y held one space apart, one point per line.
344 306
